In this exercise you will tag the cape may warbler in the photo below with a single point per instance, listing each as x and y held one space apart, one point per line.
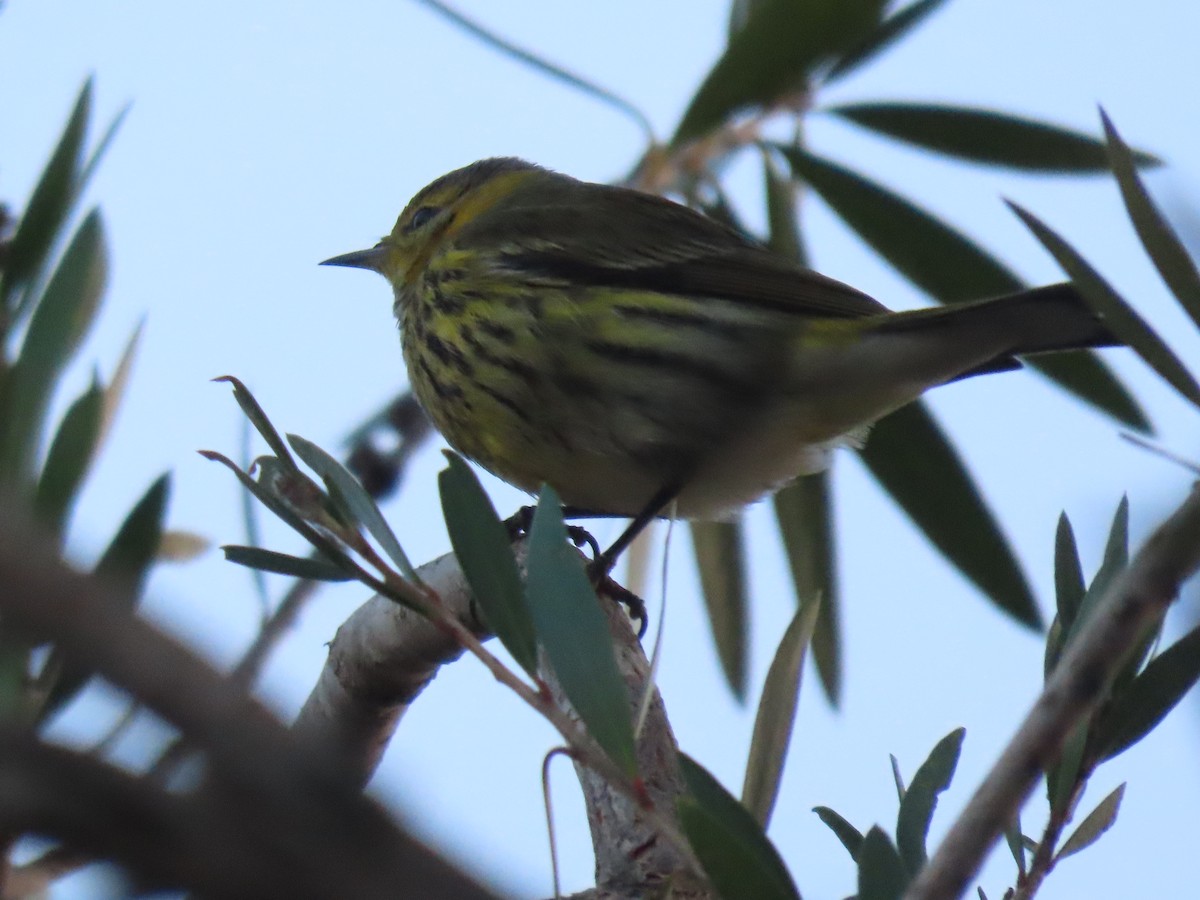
629 351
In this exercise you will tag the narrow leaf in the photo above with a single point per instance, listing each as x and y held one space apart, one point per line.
985 136
1172 260
124 563
574 633
1012 837
920 800
47 208
732 847
483 548
783 211
887 33
772 55
258 418
359 503
68 460
114 393
1125 323
721 561
850 836
804 511
1116 557
1155 692
1069 587
1098 821
179 546
1063 777
60 322
315 568
881 874
558 73
914 462
777 715
951 268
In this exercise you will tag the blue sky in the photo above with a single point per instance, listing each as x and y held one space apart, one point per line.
264 137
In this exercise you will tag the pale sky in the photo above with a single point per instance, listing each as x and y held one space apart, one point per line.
267 136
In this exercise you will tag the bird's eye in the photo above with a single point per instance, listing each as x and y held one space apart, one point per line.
421 217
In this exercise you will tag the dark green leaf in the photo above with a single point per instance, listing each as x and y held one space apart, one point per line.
732 847
574 633
1174 263
1012 837
125 564
985 136
60 321
722 565
67 462
914 462
887 33
772 55
1125 323
1098 821
783 212
357 501
315 568
48 204
1116 557
920 800
258 418
484 551
897 778
1069 586
1064 776
777 714
804 510
850 836
950 267
1154 693
881 874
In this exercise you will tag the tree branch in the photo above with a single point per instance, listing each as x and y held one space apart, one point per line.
1136 601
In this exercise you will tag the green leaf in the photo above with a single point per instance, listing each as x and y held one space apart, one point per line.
772 55
881 874
1126 324
920 800
574 633
60 321
48 204
314 568
124 564
358 502
484 551
722 565
951 268
985 136
1012 837
783 212
114 393
732 847
1098 821
1172 260
777 715
1155 692
850 836
1116 557
67 462
804 511
887 33
1063 777
1069 587
914 462
258 418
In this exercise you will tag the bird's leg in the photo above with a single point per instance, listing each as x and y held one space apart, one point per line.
518 524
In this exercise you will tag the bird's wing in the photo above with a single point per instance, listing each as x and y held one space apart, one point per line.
620 238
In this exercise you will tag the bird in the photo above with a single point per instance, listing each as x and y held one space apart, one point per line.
644 359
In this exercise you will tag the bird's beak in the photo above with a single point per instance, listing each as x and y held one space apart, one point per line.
372 259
